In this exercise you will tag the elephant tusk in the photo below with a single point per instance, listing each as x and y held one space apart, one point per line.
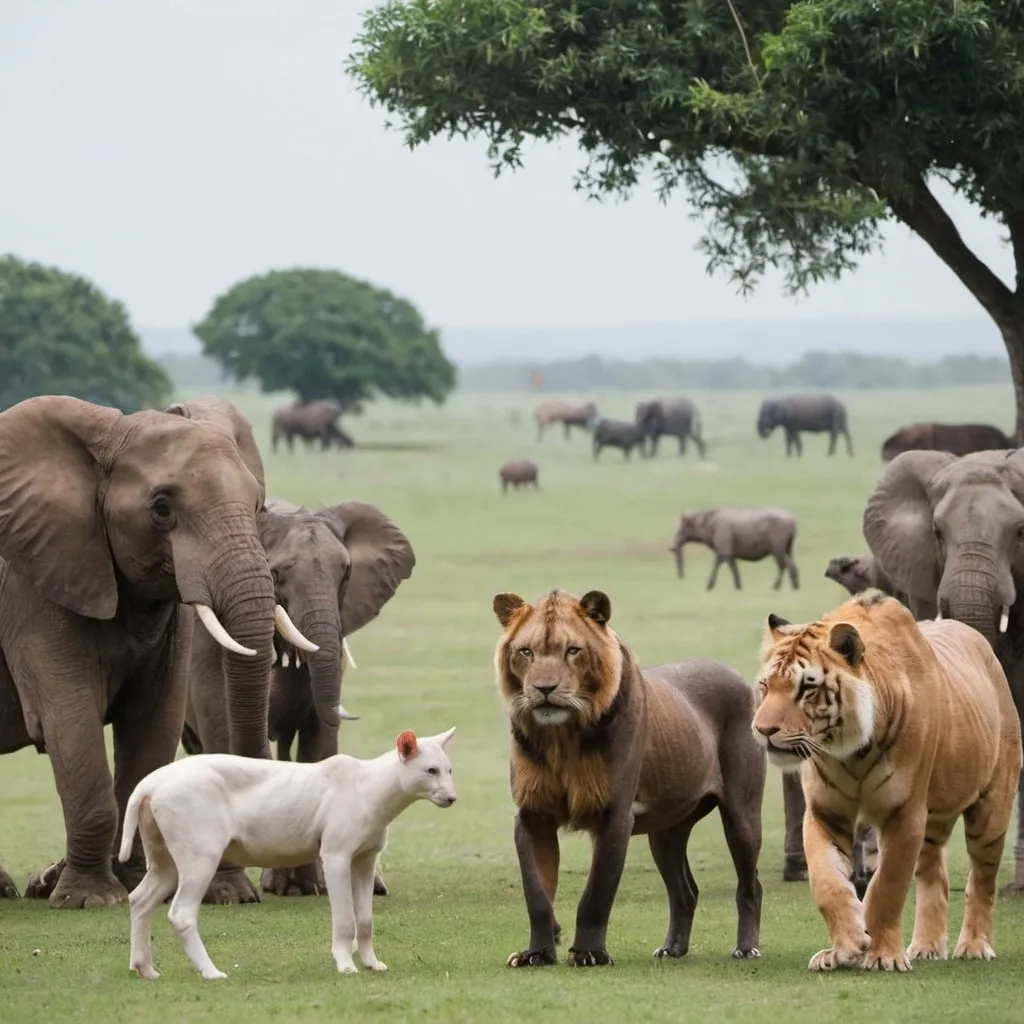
208 617
288 630
343 714
1004 619
284 660
298 660
273 660
938 614
348 651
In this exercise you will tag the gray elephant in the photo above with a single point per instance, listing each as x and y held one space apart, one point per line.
334 570
518 473
812 413
675 417
111 526
858 573
957 438
748 534
311 421
949 532
569 414
621 434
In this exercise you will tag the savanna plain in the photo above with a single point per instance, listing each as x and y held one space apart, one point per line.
456 911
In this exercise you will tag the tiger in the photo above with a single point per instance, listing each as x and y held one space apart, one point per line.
905 726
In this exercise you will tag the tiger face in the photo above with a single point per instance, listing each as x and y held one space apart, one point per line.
811 700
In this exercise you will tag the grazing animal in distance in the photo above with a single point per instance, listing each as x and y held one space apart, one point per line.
858 573
748 534
518 473
675 417
568 413
602 746
622 434
263 813
814 414
905 726
310 421
956 438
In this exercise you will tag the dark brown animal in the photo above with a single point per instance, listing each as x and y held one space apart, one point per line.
598 745
957 438
569 414
748 534
812 413
310 421
858 573
518 473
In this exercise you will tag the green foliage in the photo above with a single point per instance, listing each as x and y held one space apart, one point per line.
828 115
59 334
828 370
324 335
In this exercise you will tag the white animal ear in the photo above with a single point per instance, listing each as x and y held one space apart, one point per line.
406 744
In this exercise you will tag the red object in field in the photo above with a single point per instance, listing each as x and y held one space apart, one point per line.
536 379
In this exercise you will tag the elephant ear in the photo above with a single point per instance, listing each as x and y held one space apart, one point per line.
218 412
898 522
381 558
51 529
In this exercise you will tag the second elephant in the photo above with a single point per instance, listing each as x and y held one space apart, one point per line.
333 570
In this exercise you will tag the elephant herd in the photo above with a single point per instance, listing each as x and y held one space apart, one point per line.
117 534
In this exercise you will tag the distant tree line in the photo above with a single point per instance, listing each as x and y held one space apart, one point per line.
812 370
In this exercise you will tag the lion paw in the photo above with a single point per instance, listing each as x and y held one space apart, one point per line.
830 959
531 958
927 950
753 953
974 949
590 958
873 960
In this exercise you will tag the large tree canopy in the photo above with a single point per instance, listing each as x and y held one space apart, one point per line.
60 335
797 128
324 335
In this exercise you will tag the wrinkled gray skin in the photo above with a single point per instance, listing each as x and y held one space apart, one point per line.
334 570
747 534
812 413
949 532
958 438
110 525
858 573
568 413
518 473
617 434
676 417
311 421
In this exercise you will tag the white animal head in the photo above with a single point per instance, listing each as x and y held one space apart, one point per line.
424 768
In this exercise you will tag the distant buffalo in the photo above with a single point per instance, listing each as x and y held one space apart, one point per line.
858 573
675 417
957 438
518 473
617 434
813 413
569 414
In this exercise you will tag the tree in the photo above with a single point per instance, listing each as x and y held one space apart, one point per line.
59 334
324 335
797 128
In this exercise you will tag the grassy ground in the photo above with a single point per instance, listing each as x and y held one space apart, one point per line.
456 911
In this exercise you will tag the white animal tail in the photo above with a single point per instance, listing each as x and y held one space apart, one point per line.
131 824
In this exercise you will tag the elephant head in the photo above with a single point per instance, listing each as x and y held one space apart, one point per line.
692 526
333 571
768 417
103 512
949 532
649 417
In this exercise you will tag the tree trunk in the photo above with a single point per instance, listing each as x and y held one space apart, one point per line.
1013 338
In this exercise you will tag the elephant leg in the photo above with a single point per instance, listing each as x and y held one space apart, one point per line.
735 572
780 564
794 865
794 573
682 444
832 438
1016 886
719 559
849 441
699 442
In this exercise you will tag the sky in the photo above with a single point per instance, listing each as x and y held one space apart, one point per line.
167 150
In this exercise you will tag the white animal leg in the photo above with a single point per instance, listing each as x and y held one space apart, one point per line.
338 878
363 870
184 912
157 884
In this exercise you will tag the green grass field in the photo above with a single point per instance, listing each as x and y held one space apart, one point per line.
456 910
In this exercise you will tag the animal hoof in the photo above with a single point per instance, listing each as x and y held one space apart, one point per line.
590 958
531 958
922 951
213 975
673 950
379 966
74 891
145 971
230 887
973 949
746 954
348 969
8 890
300 881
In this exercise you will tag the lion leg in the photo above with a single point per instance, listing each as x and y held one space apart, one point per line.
931 915
743 836
985 826
546 856
900 841
828 842
532 834
668 848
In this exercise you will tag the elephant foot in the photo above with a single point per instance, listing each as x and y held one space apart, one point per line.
67 889
231 885
8 890
305 880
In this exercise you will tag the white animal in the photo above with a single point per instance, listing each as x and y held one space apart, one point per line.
260 812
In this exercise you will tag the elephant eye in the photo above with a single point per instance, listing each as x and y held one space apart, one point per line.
161 510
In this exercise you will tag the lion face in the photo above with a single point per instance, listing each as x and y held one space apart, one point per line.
810 700
557 662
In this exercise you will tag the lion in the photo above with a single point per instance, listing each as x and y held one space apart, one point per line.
599 746
905 726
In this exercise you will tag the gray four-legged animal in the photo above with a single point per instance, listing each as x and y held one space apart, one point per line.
812 413
674 417
621 434
518 473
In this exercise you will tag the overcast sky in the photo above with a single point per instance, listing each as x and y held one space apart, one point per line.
167 150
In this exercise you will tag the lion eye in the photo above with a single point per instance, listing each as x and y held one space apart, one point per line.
570 651
526 652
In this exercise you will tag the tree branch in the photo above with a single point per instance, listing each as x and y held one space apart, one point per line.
918 208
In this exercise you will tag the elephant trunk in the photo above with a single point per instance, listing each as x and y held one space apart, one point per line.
320 622
976 594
